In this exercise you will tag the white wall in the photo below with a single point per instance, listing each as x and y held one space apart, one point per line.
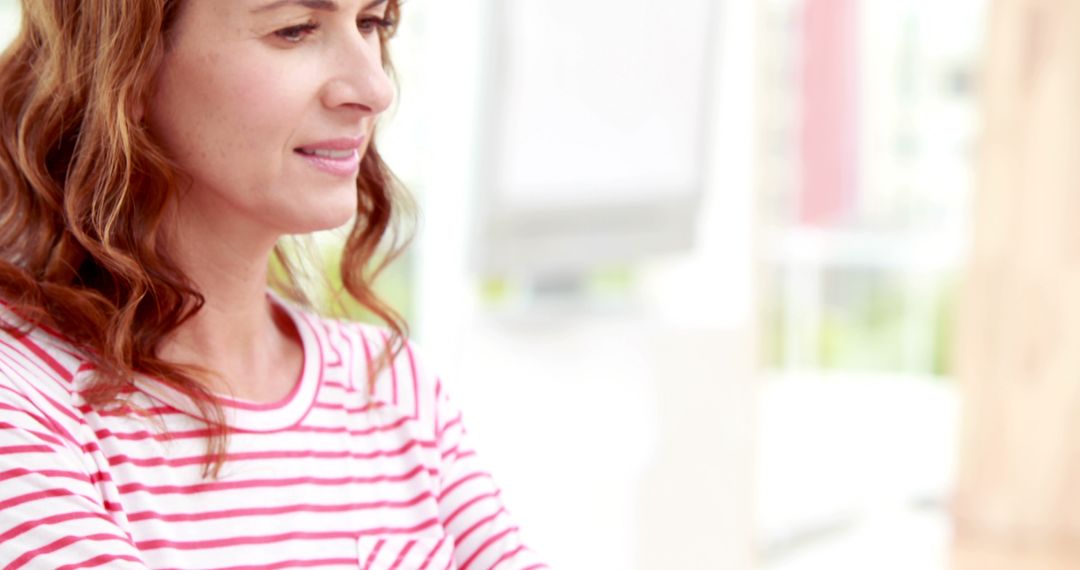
9 20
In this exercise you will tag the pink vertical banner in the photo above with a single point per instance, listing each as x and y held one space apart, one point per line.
830 106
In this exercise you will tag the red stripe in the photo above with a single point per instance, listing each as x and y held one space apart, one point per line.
367 407
52 519
20 366
57 545
464 506
450 489
123 411
461 538
366 431
17 356
66 410
320 366
508 556
402 554
34 496
487 544
459 456
257 455
374 554
48 422
296 564
99 560
431 555
19 472
452 451
452 423
42 436
163 411
270 483
271 539
28 404
13 449
143 435
281 509
46 358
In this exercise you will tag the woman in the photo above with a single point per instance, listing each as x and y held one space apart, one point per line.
158 407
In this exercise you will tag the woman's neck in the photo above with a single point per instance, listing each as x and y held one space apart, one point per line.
239 334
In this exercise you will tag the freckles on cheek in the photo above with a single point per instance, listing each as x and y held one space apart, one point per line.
259 104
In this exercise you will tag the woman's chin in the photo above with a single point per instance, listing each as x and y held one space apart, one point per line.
331 219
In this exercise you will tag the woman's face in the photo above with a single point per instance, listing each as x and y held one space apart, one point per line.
269 105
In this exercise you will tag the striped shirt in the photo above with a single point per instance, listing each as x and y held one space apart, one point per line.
328 477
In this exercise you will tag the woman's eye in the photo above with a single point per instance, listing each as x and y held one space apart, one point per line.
371 24
295 34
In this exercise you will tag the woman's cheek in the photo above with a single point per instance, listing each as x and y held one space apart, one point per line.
257 101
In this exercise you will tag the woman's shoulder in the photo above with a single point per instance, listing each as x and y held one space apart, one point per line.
37 367
397 370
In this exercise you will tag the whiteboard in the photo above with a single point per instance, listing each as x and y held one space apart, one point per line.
598 115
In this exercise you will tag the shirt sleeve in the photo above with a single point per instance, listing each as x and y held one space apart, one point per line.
51 512
485 535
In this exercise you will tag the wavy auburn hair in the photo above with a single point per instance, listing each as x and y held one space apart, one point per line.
84 191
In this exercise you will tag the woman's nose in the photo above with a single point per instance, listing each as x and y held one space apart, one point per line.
359 81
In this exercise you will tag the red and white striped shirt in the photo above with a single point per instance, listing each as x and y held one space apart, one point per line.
329 477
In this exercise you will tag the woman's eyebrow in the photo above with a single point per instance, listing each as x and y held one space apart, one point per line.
326 5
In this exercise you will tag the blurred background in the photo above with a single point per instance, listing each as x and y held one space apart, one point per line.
692 267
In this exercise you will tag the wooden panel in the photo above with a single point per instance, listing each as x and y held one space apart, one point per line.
1017 504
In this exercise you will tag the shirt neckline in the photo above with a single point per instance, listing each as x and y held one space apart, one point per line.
257 416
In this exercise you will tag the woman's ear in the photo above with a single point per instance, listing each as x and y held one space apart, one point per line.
138 111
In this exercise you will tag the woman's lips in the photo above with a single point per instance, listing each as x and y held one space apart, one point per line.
339 157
